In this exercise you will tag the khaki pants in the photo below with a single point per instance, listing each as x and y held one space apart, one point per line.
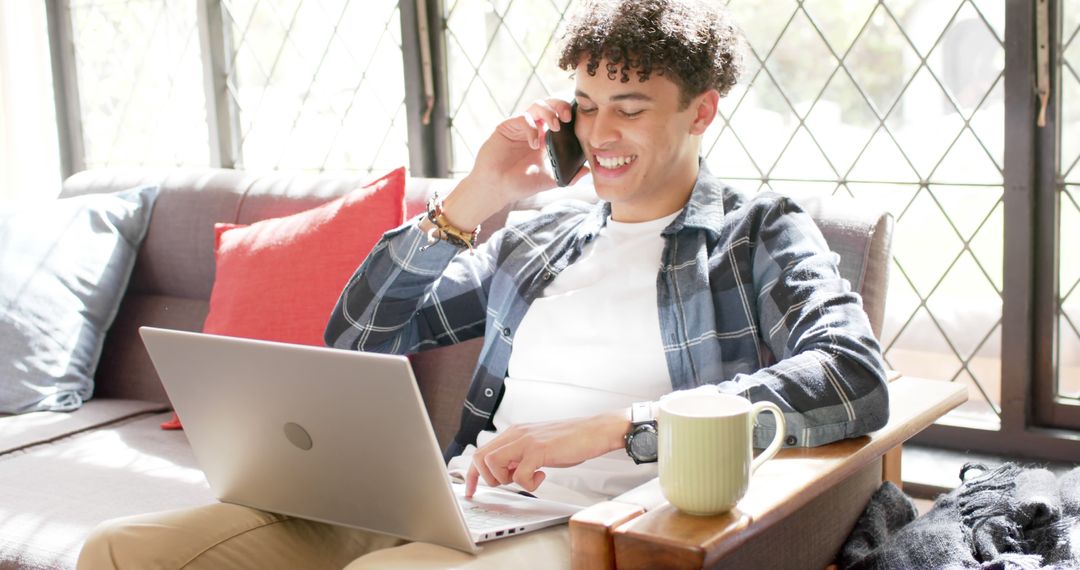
225 536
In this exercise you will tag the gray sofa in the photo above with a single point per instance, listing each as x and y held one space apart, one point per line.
63 473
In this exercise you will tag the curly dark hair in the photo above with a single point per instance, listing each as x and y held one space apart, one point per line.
694 43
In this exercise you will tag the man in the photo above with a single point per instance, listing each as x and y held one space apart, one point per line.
672 282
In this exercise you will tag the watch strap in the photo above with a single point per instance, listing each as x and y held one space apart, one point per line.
641 413
641 420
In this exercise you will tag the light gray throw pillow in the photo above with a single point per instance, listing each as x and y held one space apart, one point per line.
64 267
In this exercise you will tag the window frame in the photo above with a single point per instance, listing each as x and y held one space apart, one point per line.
1049 409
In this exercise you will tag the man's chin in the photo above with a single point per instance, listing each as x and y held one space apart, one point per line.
605 190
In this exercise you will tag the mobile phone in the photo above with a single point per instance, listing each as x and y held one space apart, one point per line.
564 150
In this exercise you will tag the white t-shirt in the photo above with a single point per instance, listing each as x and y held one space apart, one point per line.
591 344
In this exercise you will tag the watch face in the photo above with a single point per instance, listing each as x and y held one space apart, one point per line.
642 444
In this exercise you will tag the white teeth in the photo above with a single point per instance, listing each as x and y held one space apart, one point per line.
615 162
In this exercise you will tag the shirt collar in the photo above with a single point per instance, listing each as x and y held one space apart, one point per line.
705 208
595 221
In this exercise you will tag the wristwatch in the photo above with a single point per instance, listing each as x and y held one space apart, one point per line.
641 439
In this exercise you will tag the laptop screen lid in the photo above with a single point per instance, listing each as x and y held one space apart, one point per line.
324 434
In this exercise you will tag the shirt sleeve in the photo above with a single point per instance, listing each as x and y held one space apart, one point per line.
409 294
828 377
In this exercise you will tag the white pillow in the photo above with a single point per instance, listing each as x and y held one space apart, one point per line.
64 267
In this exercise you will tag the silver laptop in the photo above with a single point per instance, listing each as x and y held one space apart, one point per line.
329 435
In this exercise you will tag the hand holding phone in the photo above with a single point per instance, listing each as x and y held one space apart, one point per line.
564 151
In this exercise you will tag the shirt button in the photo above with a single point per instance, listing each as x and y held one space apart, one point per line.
489 392
790 440
547 276
506 332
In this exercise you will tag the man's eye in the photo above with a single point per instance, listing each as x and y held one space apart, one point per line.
631 114
586 110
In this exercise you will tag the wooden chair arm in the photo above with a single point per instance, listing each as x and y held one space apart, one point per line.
640 530
591 544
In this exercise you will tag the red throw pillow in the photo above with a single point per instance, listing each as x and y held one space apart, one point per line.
278 279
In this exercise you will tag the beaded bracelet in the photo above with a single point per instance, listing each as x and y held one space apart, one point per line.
446 231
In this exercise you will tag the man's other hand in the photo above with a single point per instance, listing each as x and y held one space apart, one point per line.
517 454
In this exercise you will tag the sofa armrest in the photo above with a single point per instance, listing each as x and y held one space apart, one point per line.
640 530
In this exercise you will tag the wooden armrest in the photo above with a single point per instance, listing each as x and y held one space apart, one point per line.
640 530
590 530
591 544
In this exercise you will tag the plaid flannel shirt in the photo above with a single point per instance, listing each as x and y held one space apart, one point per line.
749 297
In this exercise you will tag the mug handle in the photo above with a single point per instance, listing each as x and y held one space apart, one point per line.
778 437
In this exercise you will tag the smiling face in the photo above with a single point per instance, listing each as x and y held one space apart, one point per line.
641 144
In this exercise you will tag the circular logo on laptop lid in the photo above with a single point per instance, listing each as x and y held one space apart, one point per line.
298 436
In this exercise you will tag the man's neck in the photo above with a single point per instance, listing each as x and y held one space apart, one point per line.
659 208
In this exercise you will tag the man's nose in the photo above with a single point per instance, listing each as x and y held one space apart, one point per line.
603 131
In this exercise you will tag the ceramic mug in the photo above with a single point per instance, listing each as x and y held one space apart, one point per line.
706 449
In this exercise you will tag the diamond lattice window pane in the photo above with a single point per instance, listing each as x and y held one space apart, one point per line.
318 85
846 120
840 27
924 21
902 121
501 56
1070 19
987 124
764 122
882 60
762 28
1068 337
966 71
1070 112
139 71
530 24
985 365
801 62
925 122
991 13
1069 357
1069 301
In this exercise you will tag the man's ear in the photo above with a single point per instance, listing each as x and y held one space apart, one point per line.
705 107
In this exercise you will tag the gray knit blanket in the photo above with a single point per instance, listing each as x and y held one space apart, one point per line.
1007 518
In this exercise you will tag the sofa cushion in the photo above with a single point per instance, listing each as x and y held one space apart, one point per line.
278 279
862 238
35 428
66 266
52 496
